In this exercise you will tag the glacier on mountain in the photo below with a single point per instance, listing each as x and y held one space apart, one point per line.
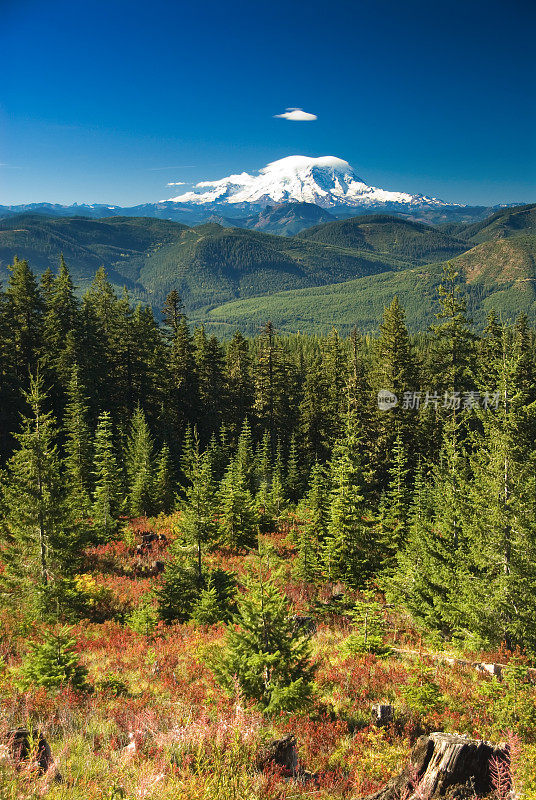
326 181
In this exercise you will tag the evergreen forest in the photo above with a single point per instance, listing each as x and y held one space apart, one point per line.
205 542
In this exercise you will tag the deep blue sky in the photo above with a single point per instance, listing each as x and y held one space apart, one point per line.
108 101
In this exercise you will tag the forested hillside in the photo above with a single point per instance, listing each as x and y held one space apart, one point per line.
305 406
204 544
212 265
502 224
209 264
413 242
498 274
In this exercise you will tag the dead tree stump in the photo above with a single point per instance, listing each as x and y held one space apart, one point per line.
25 744
280 753
445 764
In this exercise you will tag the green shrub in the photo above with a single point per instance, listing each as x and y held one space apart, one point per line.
54 663
113 684
368 617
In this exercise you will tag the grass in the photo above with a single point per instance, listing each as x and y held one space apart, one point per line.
190 741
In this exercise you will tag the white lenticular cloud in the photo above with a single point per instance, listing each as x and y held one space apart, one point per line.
177 183
297 115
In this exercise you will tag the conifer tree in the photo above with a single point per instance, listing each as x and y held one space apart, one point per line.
370 627
189 448
101 337
197 522
293 479
430 568
317 427
215 599
9 384
396 502
312 532
452 350
263 462
218 451
239 381
209 358
163 490
336 368
180 588
139 466
237 518
41 541
245 458
77 447
264 652
500 573
181 383
350 550
394 370
25 309
277 496
272 385
102 300
490 350
54 663
359 390
207 609
61 325
107 494
148 366
45 285
173 312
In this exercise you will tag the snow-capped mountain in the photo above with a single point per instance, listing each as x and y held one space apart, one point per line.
326 181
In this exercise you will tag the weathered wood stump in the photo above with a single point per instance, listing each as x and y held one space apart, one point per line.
381 715
281 753
445 764
24 745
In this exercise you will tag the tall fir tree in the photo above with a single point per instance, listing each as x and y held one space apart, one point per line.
197 523
237 517
107 495
239 382
350 550
395 504
430 570
40 539
61 328
77 447
209 359
500 527
25 309
311 536
394 370
181 384
316 425
164 494
452 350
140 466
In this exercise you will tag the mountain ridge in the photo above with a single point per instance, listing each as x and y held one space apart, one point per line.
326 182
498 274
213 266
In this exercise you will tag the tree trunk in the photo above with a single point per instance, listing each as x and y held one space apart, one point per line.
445 762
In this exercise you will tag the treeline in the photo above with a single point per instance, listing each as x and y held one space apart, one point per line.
431 499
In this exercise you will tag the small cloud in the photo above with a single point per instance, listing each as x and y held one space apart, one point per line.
297 115
177 183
